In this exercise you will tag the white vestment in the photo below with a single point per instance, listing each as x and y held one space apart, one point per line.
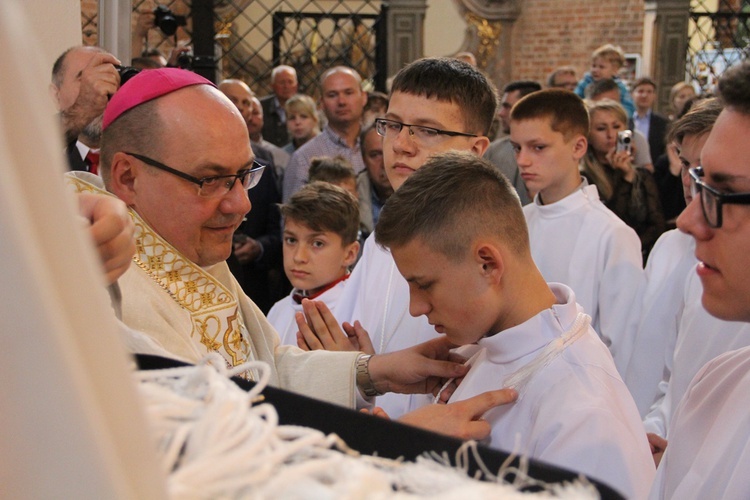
700 339
581 243
378 296
670 263
574 412
709 439
190 312
281 315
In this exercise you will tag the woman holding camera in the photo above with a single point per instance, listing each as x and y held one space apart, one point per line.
627 190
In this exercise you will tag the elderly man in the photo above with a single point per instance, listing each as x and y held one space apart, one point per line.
343 103
284 85
179 177
83 79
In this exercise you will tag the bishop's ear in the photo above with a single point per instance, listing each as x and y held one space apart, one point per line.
120 179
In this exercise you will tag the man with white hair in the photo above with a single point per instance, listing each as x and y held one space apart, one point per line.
284 84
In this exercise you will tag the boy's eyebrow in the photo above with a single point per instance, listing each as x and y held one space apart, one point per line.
425 122
722 179
312 234
412 279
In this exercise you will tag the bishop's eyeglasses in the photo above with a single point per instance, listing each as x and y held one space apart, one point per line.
712 200
213 186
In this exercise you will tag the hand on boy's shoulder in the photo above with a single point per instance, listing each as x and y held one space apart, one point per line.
318 329
462 419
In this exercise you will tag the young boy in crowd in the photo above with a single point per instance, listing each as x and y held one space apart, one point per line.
456 231
321 224
575 239
436 105
606 61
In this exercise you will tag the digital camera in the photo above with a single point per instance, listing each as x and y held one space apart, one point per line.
624 141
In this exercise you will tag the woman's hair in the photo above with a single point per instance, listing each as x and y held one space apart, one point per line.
591 167
676 89
301 103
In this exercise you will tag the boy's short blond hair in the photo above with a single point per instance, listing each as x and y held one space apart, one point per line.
322 206
611 53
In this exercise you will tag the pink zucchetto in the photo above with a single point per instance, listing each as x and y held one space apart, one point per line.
147 85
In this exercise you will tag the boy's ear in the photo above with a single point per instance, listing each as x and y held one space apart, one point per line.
480 145
580 146
489 257
122 176
350 253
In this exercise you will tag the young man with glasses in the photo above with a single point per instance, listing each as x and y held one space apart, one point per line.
436 105
709 437
178 176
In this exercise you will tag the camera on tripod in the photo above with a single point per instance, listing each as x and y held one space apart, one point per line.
167 21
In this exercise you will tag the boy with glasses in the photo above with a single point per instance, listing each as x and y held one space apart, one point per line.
709 437
436 105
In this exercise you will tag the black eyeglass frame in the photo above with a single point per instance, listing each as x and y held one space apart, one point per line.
241 175
384 121
698 187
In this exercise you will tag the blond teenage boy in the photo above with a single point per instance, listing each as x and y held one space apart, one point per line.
457 234
575 239
436 105
321 224
606 62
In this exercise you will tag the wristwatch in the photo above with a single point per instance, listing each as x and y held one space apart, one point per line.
363 379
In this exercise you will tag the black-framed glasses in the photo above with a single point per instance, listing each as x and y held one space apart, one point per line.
214 186
424 135
711 199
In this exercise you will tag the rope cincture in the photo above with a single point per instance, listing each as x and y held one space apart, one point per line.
217 440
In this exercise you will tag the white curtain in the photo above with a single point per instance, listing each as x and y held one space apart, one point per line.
70 423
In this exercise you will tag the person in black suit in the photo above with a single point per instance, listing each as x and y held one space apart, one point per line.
651 124
284 84
256 259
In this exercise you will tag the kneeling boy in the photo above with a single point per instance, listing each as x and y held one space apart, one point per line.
457 233
321 224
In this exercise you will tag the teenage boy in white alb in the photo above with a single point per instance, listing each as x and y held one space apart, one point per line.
456 231
708 455
669 264
575 239
674 316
